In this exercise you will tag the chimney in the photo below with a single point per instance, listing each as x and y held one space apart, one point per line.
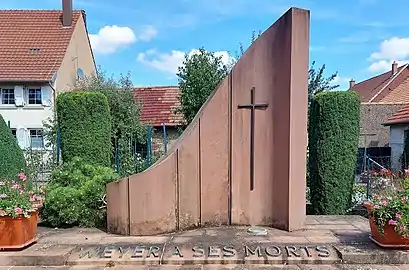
67 13
351 83
394 68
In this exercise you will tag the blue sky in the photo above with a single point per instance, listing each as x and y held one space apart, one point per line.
357 38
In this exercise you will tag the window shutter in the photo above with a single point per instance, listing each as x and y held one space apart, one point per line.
22 137
18 95
46 96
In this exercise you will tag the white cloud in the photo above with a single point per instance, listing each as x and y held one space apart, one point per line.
111 38
343 82
169 62
384 65
394 49
147 33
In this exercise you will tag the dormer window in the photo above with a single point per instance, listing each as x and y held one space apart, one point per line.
35 50
7 96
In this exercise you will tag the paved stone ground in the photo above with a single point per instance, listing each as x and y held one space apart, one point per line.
326 242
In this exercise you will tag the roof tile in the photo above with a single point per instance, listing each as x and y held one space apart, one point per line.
32 43
400 117
370 88
158 105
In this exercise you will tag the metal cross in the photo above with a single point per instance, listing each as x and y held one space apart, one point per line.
253 107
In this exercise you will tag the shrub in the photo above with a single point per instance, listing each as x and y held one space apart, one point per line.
333 149
12 159
74 196
85 126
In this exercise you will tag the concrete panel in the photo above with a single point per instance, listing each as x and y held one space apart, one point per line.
205 178
189 185
214 149
153 198
290 120
117 207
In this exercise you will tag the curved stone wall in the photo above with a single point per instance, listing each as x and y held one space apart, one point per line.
205 178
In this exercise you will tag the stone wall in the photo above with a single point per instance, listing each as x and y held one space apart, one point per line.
172 134
373 115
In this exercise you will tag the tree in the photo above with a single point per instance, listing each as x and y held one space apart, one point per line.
125 113
199 76
317 83
11 156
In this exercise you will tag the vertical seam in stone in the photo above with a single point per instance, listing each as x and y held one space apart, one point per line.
230 115
129 206
200 173
177 219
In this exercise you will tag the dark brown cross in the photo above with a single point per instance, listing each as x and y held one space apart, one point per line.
253 107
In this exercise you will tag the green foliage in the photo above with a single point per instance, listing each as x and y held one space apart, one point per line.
74 196
18 198
254 36
333 149
317 83
12 159
85 125
125 114
199 76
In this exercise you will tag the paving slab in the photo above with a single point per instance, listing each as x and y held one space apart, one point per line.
325 242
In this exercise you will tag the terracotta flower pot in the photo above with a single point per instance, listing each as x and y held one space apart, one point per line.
18 233
390 238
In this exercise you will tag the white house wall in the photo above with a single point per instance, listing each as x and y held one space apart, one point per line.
24 116
396 142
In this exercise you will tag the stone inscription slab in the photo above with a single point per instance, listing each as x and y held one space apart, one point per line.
191 253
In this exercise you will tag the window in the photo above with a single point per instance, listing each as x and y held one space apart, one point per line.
7 96
34 96
36 138
14 132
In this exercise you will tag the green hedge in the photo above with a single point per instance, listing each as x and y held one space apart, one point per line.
333 145
11 156
85 127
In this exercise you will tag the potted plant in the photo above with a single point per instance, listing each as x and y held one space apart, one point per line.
389 212
19 204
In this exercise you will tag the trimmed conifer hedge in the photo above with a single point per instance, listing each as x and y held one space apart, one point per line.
85 127
333 149
12 159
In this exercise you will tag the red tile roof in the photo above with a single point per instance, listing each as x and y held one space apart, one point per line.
400 117
378 87
158 105
32 43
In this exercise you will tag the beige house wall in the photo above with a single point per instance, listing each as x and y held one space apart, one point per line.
78 55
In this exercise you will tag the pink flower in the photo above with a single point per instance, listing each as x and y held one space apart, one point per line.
406 171
385 203
392 222
15 186
21 191
18 210
398 216
32 199
376 206
22 176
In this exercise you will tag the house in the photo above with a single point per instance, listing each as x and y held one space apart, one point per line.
158 110
381 97
398 125
42 53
